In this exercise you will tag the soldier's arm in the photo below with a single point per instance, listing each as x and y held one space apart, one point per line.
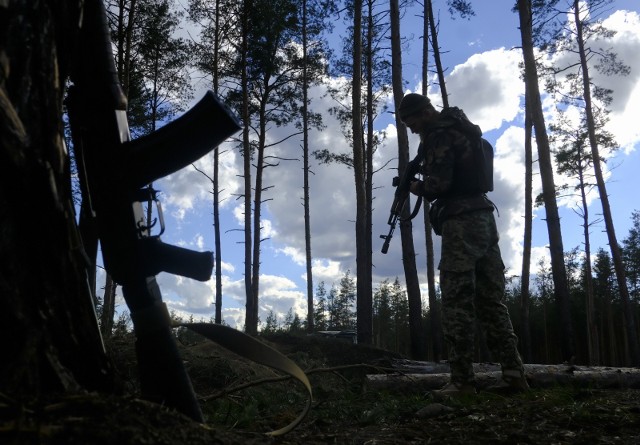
439 166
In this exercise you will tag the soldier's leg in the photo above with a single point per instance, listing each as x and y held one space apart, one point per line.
458 322
492 312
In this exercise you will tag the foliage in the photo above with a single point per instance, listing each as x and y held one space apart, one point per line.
274 71
631 255
152 63
162 61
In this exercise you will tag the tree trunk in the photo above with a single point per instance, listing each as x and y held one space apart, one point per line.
436 56
305 169
525 334
250 319
434 305
216 181
616 255
416 331
365 291
363 308
108 307
48 331
593 354
556 249
257 221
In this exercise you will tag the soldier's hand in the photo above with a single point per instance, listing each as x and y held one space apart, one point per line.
417 187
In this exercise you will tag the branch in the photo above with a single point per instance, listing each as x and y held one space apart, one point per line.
286 377
200 171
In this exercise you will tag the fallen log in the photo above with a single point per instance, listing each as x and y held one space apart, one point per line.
425 376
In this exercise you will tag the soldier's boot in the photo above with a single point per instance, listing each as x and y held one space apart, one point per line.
512 381
453 390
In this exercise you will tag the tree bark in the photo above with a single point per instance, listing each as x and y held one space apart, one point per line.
363 306
556 248
434 305
416 331
108 306
616 255
525 334
306 170
251 322
48 329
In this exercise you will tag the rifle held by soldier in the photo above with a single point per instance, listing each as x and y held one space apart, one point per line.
401 196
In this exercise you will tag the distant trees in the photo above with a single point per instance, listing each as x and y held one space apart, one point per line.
572 37
264 57
263 66
335 311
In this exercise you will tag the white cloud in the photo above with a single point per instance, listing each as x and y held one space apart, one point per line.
486 85
626 89
187 188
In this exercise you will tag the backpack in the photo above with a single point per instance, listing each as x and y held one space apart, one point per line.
484 150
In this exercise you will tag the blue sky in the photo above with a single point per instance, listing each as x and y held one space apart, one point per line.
482 59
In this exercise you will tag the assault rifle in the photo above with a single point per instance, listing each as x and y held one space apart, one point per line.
402 185
114 172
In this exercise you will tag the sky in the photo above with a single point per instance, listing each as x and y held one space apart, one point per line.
481 57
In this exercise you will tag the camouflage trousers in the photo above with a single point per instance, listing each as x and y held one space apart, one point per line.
473 284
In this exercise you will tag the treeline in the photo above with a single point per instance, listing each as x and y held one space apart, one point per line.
264 56
335 310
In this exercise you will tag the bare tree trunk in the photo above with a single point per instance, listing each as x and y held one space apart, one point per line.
363 306
634 347
416 330
306 169
593 355
250 319
434 306
108 306
556 248
525 335
436 56
216 182
257 221
613 345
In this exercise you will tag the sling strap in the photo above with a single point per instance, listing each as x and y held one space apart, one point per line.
252 349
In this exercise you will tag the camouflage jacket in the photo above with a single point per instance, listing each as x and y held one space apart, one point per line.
449 171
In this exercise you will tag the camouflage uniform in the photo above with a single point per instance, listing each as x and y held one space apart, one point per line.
471 267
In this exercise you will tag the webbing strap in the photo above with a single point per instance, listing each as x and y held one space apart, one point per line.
248 347
416 209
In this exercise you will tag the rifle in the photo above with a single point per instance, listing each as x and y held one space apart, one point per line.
114 171
402 185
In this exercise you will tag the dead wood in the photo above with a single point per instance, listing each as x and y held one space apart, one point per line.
426 376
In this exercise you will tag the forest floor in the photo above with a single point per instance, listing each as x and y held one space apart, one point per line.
345 410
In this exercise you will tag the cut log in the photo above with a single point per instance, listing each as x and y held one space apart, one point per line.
426 376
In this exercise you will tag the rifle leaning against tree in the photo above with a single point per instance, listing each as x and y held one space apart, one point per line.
114 174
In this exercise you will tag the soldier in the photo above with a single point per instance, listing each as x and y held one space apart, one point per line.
471 267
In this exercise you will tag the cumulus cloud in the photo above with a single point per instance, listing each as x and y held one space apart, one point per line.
487 86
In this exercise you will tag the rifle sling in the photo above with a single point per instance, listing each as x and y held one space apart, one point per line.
416 209
252 349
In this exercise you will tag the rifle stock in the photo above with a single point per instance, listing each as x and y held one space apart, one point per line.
112 171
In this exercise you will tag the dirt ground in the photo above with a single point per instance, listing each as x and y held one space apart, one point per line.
242 401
